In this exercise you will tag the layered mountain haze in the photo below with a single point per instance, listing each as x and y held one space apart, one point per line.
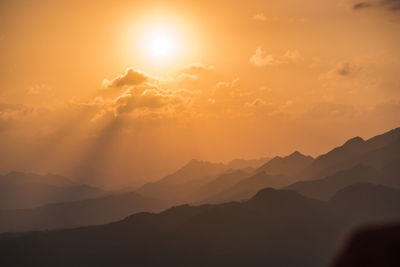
327 187
218 133
275 223
190 183
307 219
248 186
28 190
290 165
353 152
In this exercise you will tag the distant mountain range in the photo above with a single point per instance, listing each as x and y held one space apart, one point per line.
288 166
77 213
28 190
273 228
374 160
235 220
376 152
183 185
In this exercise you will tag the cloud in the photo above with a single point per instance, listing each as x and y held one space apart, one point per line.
361 5
131 77
14 111
261 58
194 74
256 103
197 66
260 17
38 90
186 77
145 99
230 84
343 69
389 5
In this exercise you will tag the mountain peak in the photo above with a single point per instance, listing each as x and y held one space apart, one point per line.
298 154
289 165
355 141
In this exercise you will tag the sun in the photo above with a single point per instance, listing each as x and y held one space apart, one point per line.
161 44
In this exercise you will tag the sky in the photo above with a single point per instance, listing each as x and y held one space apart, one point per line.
123 92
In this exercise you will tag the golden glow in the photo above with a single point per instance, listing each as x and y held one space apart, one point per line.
161 45
158 42
222 79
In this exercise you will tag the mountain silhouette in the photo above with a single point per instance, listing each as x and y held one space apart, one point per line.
78 213
247 187
351 153
273 228
220 184
176 186
185 185
28 190
327 187
237 164
290 165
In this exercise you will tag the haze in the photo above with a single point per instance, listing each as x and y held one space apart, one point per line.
123 92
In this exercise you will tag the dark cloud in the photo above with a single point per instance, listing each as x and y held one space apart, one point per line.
391 5
361 5
343 69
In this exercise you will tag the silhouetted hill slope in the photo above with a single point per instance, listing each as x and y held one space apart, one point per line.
183 185
28 190
247 187
388 175
220 184
327 187
238 164
178 185
383 156
290 165
370 247
273 228
353 152
79 213
364 202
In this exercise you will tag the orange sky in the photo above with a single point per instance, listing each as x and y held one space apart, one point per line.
118 92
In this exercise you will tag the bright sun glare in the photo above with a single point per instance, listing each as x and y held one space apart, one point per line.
161 44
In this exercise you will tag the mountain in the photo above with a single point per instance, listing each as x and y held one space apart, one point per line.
388 175
28 190
327 187
237 164
364 202
220 184
176 186
182 185
78 213
351 153
290 165
273 228
247 187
